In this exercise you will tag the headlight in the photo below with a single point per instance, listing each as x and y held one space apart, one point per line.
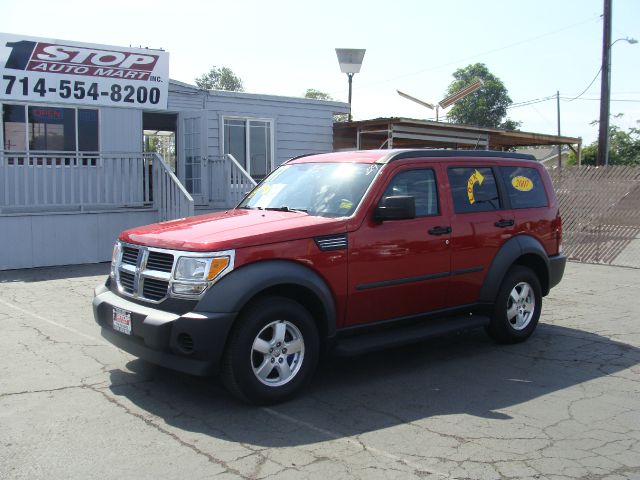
191 268
193 275
114 258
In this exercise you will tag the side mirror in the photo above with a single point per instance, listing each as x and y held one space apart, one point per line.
401 207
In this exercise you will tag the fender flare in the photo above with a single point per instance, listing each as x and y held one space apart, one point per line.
235 290
509 253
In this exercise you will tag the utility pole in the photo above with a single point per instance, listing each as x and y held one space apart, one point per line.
350 75
605 89
559 146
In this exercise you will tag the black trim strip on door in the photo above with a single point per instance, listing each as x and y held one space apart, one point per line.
421 278
464 271
401 281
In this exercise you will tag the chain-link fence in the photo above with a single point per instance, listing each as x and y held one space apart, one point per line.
600 208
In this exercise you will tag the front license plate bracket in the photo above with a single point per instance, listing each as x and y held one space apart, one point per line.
122 320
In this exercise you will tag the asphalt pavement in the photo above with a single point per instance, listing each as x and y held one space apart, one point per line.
563 405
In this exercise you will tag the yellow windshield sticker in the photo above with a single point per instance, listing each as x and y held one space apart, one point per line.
345 204
476 177
523 184
262 189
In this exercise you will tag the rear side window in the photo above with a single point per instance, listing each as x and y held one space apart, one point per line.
421 185
524 186
473 189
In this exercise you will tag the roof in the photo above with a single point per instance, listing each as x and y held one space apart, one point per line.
387 156
337 107
408 132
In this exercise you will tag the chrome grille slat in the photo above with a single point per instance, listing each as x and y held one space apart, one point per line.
130 255
154 289
162 262
127 280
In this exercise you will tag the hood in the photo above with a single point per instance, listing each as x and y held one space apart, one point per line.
232 229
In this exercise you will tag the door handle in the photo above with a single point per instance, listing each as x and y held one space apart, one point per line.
504 223
439 230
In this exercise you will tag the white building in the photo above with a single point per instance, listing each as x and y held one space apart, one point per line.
74 172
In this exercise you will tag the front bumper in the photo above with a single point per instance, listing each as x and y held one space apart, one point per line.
159 337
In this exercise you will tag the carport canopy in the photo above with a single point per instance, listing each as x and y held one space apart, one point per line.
411 133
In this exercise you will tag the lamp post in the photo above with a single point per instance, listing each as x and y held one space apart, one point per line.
605 86
350 60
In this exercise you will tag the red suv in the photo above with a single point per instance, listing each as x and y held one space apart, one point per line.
343 252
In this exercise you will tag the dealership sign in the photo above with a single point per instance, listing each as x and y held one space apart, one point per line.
59 71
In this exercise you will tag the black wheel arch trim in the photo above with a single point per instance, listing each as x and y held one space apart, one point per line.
509 253
237 288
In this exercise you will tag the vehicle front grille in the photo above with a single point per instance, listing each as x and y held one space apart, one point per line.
144 273
130 255
127 282
163 262
154 289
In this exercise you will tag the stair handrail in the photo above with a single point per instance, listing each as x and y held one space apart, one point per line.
241 168
170 208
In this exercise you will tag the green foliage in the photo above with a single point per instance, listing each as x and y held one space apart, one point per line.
317 94
624 148
509 124
220 78
486 107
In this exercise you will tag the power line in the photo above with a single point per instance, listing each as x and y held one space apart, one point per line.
612 100
533 101
588 86
480 54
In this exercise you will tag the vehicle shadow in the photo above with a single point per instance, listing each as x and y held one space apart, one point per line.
462 374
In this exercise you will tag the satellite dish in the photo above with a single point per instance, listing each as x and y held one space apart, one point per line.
447 101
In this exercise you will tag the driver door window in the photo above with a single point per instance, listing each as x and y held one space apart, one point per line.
419 184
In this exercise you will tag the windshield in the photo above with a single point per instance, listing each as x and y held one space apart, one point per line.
323 189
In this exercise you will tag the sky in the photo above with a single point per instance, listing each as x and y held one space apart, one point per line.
536 47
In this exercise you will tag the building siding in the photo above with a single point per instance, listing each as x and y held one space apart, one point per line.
300 125
120 129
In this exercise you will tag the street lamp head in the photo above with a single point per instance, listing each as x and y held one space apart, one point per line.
350 59
629 40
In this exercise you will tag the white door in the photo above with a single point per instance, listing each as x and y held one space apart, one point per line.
192 157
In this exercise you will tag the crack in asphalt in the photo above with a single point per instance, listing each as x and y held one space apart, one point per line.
172 435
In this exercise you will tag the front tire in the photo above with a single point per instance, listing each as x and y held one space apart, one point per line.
517 307
272 352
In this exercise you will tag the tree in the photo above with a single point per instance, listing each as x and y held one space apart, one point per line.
486 107
220 78
624 148
318 95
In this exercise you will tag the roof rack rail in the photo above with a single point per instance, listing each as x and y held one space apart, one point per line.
423 153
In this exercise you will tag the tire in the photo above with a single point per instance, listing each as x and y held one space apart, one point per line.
517 307
272 352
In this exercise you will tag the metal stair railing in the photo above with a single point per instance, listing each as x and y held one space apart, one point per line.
169 195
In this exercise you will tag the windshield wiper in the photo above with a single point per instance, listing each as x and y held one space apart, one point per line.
284 208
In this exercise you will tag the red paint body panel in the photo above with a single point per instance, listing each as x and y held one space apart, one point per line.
232 229
402 254
331 265
391 269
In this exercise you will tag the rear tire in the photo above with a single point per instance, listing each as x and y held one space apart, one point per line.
517 307
272 352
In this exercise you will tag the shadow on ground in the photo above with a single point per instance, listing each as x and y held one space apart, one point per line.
464 374
44 274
